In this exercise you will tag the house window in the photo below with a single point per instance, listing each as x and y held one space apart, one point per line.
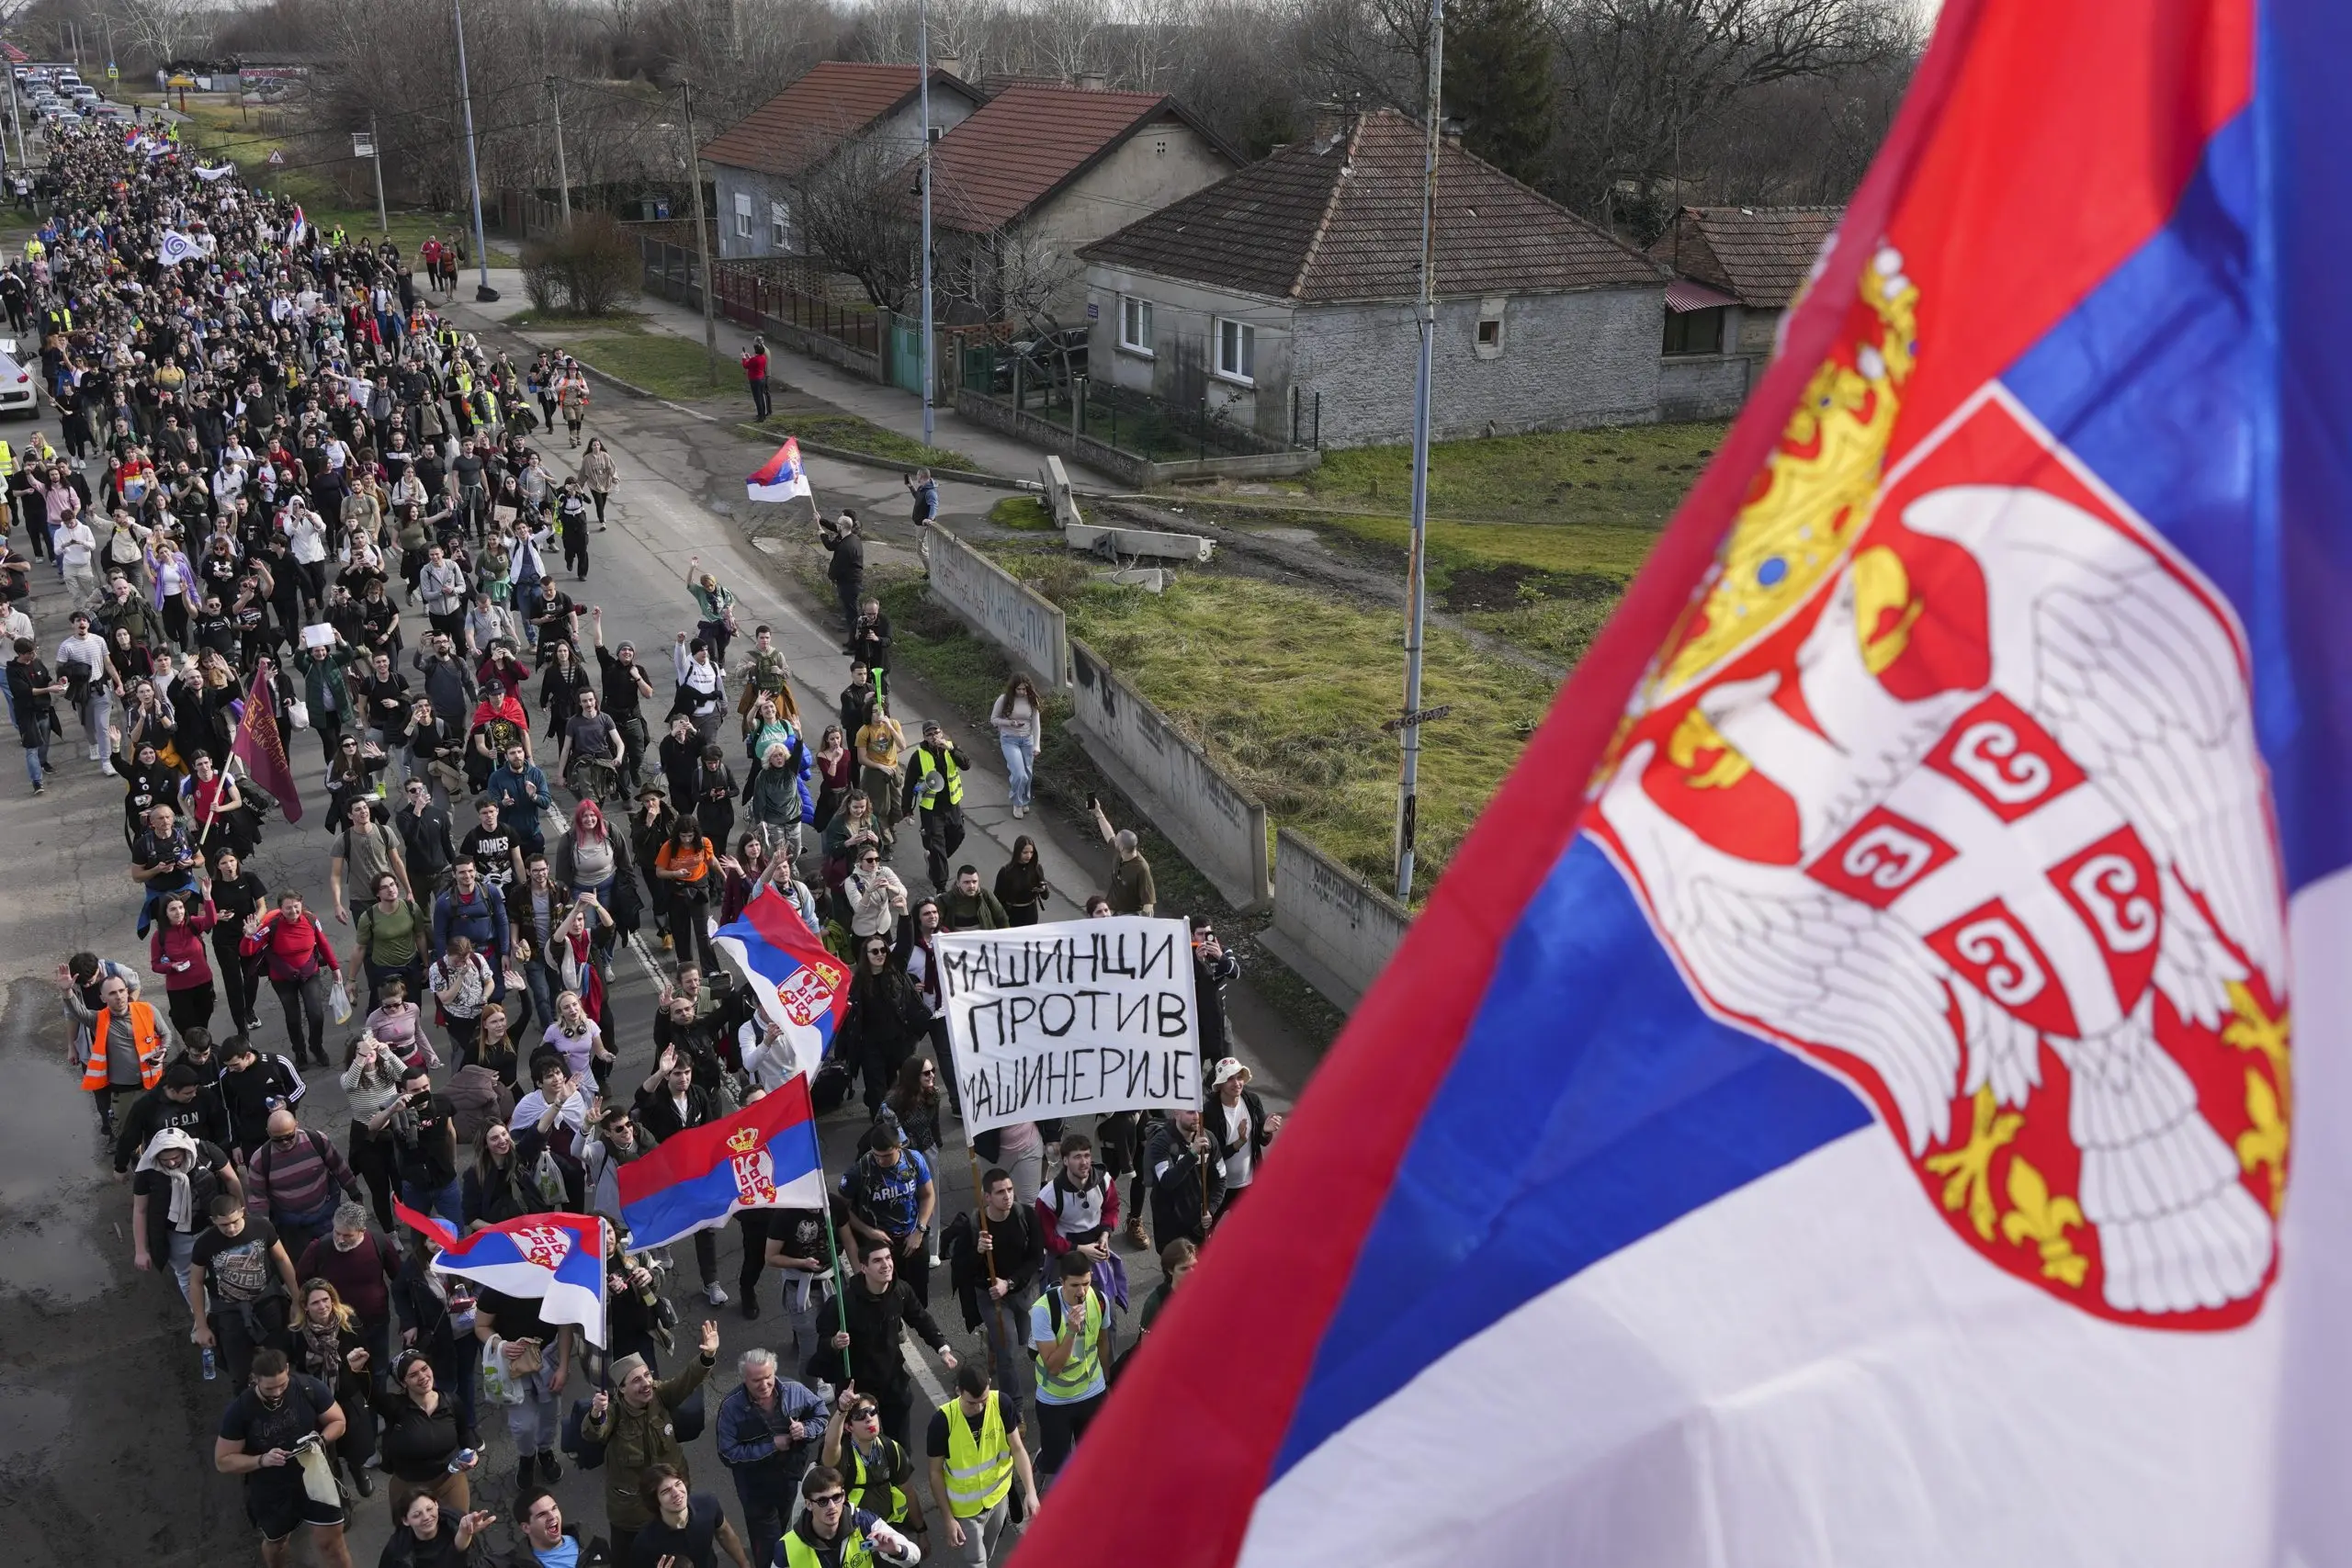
742 215
1135 324
1490 329
779 225
1695 332
1237 351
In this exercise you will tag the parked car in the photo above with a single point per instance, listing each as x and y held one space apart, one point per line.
17 393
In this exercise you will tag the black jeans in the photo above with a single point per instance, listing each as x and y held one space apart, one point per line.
238 984
305 1002
370 1159
1058 1428
761 406
943 835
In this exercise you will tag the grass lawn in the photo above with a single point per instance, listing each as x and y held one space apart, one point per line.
666 366
1287 689
853 432
1025 512
1626 476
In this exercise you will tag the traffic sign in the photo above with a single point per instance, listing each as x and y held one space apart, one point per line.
277 158
363 144
112 74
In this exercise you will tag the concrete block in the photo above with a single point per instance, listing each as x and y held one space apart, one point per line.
1060 504
1127 542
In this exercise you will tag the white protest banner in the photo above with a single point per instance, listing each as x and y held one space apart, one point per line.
1071 1019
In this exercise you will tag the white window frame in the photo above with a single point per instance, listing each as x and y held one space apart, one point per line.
1245 337
1138 342
779 225
742 215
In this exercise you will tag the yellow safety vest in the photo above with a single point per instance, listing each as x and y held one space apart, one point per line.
925 766
1085 1364
979 1468
853 1477
856 1552
7 460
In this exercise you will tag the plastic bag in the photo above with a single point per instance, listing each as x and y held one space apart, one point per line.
339 1001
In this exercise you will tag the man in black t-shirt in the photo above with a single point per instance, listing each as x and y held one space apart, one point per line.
240 1285
494 848
278 1434
387 699
689 1528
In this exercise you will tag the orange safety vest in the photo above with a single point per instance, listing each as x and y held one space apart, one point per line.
145 1032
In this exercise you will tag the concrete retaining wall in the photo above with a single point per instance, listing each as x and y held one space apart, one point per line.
998 606
1207 816
1331 925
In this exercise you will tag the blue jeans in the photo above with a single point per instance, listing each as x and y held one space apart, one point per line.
36 757
1019 764
447 1203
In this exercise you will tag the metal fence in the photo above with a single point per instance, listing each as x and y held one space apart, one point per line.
757 295
1156 429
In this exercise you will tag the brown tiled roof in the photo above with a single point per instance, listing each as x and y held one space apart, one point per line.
810 118
1759 256
1029 141
1339 217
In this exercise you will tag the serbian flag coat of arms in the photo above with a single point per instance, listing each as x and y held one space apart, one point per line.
556 1260
763 1156
1839 1106
781 478
802 989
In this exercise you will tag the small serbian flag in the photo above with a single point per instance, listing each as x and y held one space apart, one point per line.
781 478
299 227
556 1260
802 987
763 1156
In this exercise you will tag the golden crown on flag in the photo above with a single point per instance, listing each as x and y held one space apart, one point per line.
1820 484
743 1140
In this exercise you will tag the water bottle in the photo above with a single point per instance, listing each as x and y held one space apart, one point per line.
461 1460
211 1365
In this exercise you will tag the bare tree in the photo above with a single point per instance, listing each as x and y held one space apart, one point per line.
1020 273
1640 81
854 210
167 29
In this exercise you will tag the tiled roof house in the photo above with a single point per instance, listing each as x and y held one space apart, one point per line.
1737 270
1284 297
756 160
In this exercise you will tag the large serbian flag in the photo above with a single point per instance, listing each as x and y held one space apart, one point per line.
556 1260
1835 1109
781 478
802 989
763 1156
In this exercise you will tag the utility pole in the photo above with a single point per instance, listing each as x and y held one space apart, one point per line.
702 235
376 156
563 176
17 114
1417 589
483 292
922 65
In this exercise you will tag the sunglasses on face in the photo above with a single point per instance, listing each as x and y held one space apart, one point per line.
829 1500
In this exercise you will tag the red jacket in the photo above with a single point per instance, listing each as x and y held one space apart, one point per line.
180 955
295 949
756 367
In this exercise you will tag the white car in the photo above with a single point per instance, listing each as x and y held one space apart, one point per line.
17 393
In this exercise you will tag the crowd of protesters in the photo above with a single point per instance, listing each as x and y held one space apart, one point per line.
286 472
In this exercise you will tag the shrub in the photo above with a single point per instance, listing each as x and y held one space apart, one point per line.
584 270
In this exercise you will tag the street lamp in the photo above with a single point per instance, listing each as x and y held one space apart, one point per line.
922 65
483 293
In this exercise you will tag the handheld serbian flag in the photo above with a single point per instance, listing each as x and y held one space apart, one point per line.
763 1156
781 478
260 744
555 1259
1837 1107
298 229
802 989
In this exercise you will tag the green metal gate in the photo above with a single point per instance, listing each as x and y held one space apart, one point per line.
906 354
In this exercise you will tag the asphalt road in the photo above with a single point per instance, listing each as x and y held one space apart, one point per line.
105 1424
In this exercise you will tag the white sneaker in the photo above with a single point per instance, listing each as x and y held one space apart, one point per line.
107 767
1019 812
713 1294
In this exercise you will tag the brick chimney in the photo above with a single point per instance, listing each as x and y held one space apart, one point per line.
950 64
1093 81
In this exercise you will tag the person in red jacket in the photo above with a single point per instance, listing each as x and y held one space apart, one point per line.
299 958
176 950
756 371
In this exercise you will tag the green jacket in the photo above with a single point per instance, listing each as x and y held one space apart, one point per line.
635 1438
